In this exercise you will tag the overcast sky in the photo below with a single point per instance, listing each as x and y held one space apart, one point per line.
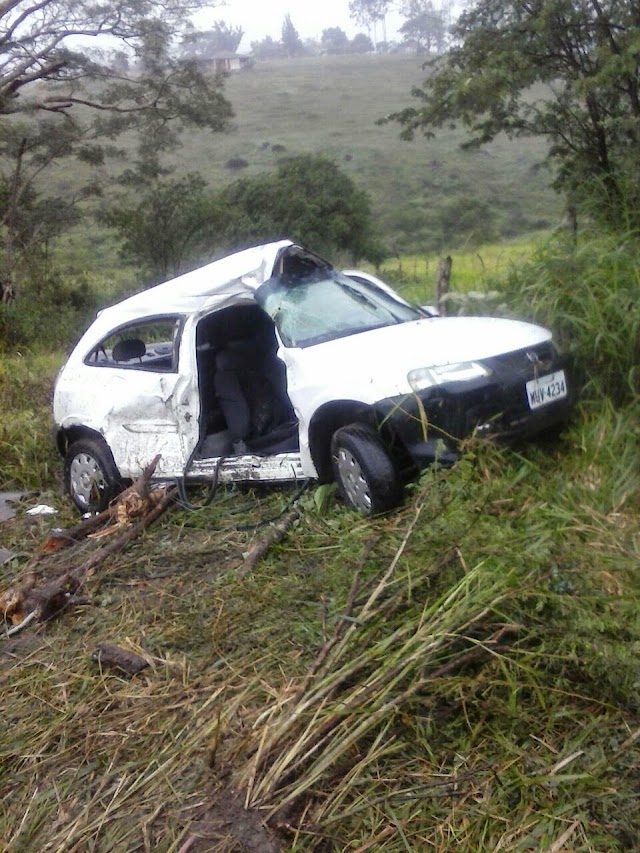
260 18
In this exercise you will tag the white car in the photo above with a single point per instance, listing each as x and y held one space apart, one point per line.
271 365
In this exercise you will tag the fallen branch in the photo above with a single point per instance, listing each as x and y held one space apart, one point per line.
24 624
137 494
276 534
46 602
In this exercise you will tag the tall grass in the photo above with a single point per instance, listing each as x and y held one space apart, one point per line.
461 674
28 459
462 693
589 295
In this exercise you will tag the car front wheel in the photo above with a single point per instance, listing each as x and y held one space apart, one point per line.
90 475
364 472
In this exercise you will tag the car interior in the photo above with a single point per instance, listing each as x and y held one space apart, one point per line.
243 385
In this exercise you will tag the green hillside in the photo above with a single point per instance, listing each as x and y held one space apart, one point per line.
428 196
330 105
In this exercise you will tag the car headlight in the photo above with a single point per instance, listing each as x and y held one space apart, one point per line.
464 371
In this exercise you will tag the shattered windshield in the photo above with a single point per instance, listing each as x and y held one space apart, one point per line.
328 305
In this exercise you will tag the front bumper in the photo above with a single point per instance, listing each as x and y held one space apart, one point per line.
430 424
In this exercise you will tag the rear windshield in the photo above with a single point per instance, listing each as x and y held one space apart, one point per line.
328 305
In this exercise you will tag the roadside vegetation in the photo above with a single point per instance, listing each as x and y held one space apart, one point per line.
462 672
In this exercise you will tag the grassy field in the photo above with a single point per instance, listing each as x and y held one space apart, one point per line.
331 105
426 195
461 674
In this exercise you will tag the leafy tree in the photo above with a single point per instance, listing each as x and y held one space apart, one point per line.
335 41
174 223
361 43
223 38
291 41
267 48
424 29
30 220
586 53
309 200
39 45
60 98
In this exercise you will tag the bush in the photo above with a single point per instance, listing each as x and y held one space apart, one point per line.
589 295
308 200
51 309
236 163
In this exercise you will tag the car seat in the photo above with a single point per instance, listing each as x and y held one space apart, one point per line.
250 383
128 349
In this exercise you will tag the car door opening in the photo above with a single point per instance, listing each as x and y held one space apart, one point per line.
243 385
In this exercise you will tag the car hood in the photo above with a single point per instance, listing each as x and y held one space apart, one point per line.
374 364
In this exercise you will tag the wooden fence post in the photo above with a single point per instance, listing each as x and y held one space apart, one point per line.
442 283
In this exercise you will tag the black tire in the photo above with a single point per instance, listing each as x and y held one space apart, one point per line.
364 472
91 478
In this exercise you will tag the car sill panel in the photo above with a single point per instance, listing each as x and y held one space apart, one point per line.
250 467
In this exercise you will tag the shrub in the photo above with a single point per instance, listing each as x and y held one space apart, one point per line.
236 163
308 200
589 295
51 310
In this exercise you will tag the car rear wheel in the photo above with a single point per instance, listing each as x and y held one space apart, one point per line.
364 472
90 475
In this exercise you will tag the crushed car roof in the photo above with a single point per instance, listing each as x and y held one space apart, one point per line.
201 289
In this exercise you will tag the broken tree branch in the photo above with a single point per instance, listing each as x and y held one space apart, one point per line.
50 600
140 488
276 533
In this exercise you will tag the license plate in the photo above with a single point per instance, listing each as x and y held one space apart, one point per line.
546 389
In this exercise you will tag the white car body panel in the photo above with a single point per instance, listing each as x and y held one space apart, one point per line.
360 369
280 466
143 412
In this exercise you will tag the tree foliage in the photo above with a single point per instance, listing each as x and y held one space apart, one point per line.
309 200
40 43
174 223
424 29
585 57
366 12
335 41
74 76
291 41
369 13
361 43
267 48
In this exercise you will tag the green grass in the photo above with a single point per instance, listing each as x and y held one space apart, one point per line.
331 105
28 459
482 689
461 674
479 270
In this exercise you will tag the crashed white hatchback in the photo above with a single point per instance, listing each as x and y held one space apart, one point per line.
271 365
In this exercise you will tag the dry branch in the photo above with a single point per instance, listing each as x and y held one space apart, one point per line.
26 602
276 533
140 489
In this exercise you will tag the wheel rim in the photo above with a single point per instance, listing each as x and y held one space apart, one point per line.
86 479
353 480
